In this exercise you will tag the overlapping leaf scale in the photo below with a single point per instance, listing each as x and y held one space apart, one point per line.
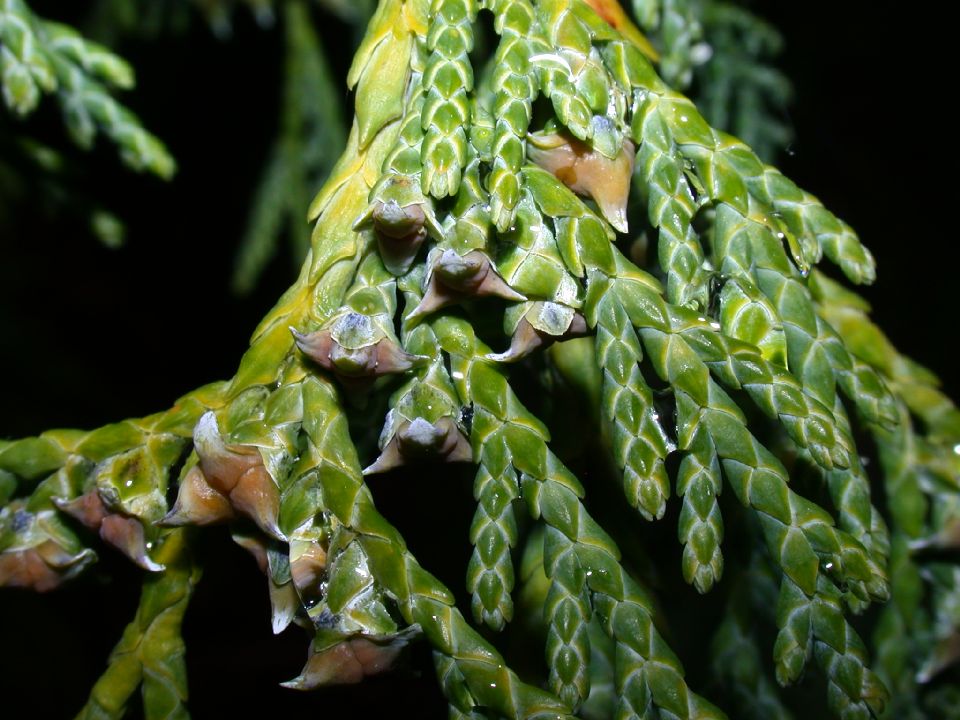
700 527
640 444
729 172
447 79
493 532
774 390
572 29
813 352
683 361
567 610
553 69
917 448
421 598
403 166
736 222
670 204
531 262
750 250
680 30
462 705
816 625
515 89
800 535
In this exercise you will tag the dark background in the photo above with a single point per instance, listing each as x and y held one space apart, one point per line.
89 335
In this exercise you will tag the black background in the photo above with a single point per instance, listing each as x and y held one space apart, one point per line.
90 335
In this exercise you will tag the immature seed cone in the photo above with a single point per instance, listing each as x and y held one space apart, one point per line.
33 555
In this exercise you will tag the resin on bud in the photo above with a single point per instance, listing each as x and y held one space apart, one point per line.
453 277
588 172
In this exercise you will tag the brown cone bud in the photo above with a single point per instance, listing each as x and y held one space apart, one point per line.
238 472
455 278
420 440
88 509
123 532
392 220
384 357
197 503
588 172
351 660
526 339
41 568
126 535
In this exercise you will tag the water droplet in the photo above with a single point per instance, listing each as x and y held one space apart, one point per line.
829 566
684 118
956 449
129 483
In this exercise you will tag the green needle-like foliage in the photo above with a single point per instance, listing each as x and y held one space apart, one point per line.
40 57
459 207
